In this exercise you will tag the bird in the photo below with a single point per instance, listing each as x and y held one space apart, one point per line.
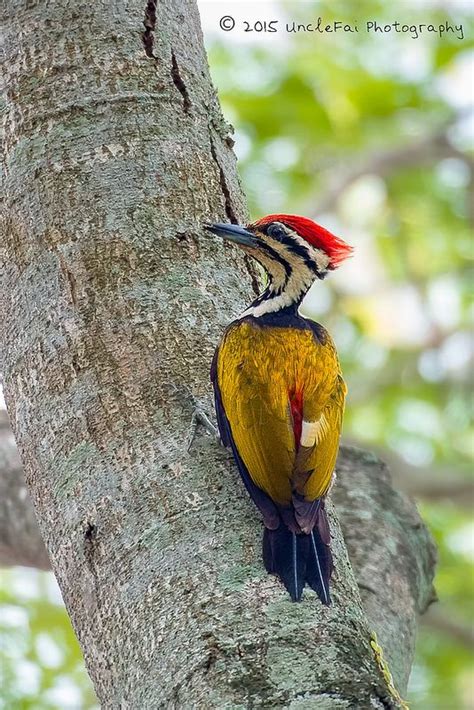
279 396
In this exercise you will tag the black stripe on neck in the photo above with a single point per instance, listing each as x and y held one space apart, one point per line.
270 293
277 257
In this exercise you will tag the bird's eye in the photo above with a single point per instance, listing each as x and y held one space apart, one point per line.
275 231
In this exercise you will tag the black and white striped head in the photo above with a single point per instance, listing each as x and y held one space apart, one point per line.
293 250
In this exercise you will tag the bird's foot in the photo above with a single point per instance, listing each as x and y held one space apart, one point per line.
201 417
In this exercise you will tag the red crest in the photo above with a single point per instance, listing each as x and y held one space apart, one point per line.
320 238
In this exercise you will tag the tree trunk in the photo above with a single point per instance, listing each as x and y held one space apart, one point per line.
115 153
394 579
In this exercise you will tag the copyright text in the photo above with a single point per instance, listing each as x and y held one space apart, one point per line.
227 23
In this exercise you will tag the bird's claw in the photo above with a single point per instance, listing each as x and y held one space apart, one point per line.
200 417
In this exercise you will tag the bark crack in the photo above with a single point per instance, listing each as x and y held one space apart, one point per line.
229 210
71 281
179 83
90 538
90 532
253 274
149 23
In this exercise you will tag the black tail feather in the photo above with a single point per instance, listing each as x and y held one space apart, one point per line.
284 554
299 559
319 567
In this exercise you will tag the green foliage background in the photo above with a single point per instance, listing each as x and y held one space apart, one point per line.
369 134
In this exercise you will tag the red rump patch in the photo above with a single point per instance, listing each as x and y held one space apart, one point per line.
336 249
296 407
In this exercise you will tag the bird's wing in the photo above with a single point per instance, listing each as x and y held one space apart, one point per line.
315 464
253 394
263 502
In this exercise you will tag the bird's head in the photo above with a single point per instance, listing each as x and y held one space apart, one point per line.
288 245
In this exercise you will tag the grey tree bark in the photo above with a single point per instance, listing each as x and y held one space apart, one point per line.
394 578
115 153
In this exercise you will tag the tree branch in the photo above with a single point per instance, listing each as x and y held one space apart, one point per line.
391 552
430 483
459 631
384 162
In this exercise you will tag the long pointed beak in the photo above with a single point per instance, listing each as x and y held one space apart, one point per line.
233 233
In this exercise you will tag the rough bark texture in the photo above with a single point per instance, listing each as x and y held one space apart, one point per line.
115 153
390 550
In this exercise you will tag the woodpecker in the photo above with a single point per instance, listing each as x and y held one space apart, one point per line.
279 397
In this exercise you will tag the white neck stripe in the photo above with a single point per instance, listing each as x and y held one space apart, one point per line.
295 289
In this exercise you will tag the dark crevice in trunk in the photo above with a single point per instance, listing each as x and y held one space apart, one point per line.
90 532
229 210
90 540
251 268
179 83
149 22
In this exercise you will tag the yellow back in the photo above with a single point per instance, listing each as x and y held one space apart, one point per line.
257 369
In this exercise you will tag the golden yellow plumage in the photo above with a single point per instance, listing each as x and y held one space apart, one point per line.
258 369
